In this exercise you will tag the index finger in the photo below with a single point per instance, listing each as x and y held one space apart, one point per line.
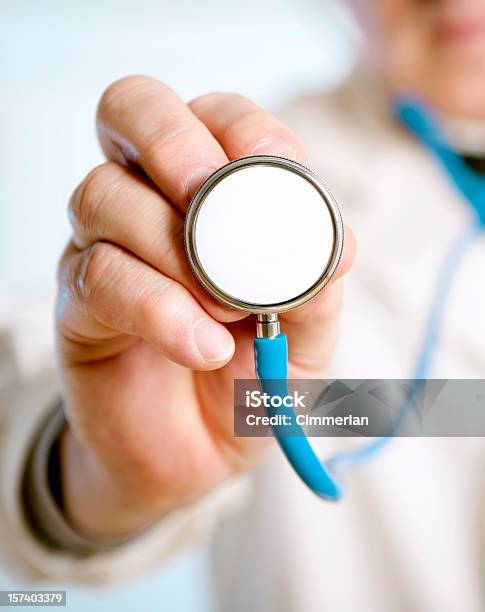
142 121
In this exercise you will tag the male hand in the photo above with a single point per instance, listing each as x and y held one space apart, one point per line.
148 358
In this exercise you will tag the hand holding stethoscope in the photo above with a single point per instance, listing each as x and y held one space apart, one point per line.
145 353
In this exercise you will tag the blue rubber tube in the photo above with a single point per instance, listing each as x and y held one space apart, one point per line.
420 121
271 358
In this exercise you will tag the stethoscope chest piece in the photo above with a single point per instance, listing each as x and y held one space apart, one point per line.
263 234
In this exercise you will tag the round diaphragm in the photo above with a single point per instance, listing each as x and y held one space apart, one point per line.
263 234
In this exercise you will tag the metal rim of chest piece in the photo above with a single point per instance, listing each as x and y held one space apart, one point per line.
191 246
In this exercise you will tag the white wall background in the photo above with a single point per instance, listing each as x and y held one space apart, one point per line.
56 57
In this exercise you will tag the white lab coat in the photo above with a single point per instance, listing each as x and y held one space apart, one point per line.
409 534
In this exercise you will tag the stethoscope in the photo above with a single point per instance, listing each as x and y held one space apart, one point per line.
264 235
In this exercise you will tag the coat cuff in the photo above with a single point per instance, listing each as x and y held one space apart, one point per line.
42 493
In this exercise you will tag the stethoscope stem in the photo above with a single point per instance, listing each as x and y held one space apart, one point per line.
267 325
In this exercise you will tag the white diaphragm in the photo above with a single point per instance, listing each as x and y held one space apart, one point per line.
263 234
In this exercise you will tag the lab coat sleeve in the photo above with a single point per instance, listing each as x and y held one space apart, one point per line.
27 395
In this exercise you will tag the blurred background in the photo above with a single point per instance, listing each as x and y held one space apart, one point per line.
56 59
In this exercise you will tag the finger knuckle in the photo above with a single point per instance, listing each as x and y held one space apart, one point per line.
158 304
91 194
165 309
65 278
169 244
174 129
148 305
94 271
176 147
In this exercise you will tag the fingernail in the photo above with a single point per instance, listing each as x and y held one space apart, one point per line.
198 176
213 341
275 146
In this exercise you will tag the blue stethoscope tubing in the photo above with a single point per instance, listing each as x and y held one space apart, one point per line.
271 354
